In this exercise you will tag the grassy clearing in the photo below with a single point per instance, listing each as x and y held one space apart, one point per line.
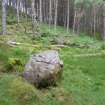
83 84
83 80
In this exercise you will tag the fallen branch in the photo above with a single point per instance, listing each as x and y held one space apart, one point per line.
13 43
60 46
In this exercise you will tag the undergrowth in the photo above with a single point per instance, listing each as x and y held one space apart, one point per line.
83 80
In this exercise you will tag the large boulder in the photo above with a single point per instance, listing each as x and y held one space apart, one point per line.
44 69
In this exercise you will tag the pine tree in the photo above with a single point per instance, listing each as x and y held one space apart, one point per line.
4 16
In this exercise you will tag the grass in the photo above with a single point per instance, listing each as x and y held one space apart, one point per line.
85 78
83 84
83 81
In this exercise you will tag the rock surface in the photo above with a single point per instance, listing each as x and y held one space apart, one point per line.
44 69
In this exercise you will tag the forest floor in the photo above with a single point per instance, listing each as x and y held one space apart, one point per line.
83 81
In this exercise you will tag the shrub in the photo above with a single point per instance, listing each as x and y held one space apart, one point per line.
18 52
103 46
13 64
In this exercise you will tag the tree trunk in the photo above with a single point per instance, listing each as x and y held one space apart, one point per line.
3 17
68 16
56 14
40 2
74 22
34 21
50 13
94 20
18 17
104 20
